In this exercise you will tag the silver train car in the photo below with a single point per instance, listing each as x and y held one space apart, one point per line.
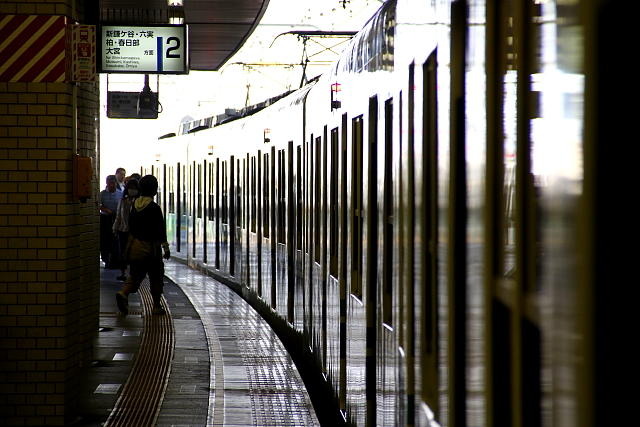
417 222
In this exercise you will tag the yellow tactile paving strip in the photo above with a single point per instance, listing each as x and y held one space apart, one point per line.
142 395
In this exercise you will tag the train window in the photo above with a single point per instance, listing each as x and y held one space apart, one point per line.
344 222
316 199
194 206
254 211
387 216
333 206
179 207
401 226
343 203
172 194
225 193
164 190
199 201
183 208
217 214
325 195
429 227
281 196
265 205
217 194
244 192
299 197
159 197
258 179
238 193
206 206
305 196
210 196
233 219
356 206
247 194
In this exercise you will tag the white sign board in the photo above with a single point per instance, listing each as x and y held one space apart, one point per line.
144 49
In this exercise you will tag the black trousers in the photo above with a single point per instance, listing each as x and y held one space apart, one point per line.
108 249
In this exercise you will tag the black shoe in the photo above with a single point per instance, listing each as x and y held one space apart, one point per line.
121 277
123 303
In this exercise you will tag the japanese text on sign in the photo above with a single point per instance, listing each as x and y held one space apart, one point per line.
135 49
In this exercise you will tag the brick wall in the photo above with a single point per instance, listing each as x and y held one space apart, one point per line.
49 271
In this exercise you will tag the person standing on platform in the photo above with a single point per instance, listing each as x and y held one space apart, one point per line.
147 246
109 198
121 224
121 173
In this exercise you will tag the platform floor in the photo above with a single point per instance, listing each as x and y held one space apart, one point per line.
227 367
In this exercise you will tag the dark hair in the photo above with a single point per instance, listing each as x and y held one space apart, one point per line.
111 178
148 186
132 183
135 176
121 169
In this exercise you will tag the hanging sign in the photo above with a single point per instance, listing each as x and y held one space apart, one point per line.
143 49
126 105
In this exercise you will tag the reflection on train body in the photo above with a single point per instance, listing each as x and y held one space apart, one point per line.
412 215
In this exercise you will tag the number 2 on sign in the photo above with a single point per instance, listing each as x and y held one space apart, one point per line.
174 44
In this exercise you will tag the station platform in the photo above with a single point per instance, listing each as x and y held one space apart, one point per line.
210 360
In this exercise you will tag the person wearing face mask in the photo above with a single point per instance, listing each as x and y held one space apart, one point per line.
121 224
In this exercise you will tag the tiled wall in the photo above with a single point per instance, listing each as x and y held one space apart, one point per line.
49 271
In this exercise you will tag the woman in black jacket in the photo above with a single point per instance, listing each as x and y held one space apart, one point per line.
147 246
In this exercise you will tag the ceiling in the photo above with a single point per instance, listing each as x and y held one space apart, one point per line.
217 28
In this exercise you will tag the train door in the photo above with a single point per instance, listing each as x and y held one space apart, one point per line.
273 231
453 238
428 318
184 212
265 286
204 206
259 215
356 327
252 242
170 211
370 261
332 299
217 213
316 267
224 218
308 236
196 212
233 219
242 232
533 286
210 232
290 209
299 249
343 265
390 407
281 289
179 218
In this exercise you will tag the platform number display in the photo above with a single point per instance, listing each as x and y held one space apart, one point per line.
141 49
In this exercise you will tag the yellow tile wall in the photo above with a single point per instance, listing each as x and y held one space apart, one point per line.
49 271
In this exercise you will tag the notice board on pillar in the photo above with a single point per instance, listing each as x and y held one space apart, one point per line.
158 49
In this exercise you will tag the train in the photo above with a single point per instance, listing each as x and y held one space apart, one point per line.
420 217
